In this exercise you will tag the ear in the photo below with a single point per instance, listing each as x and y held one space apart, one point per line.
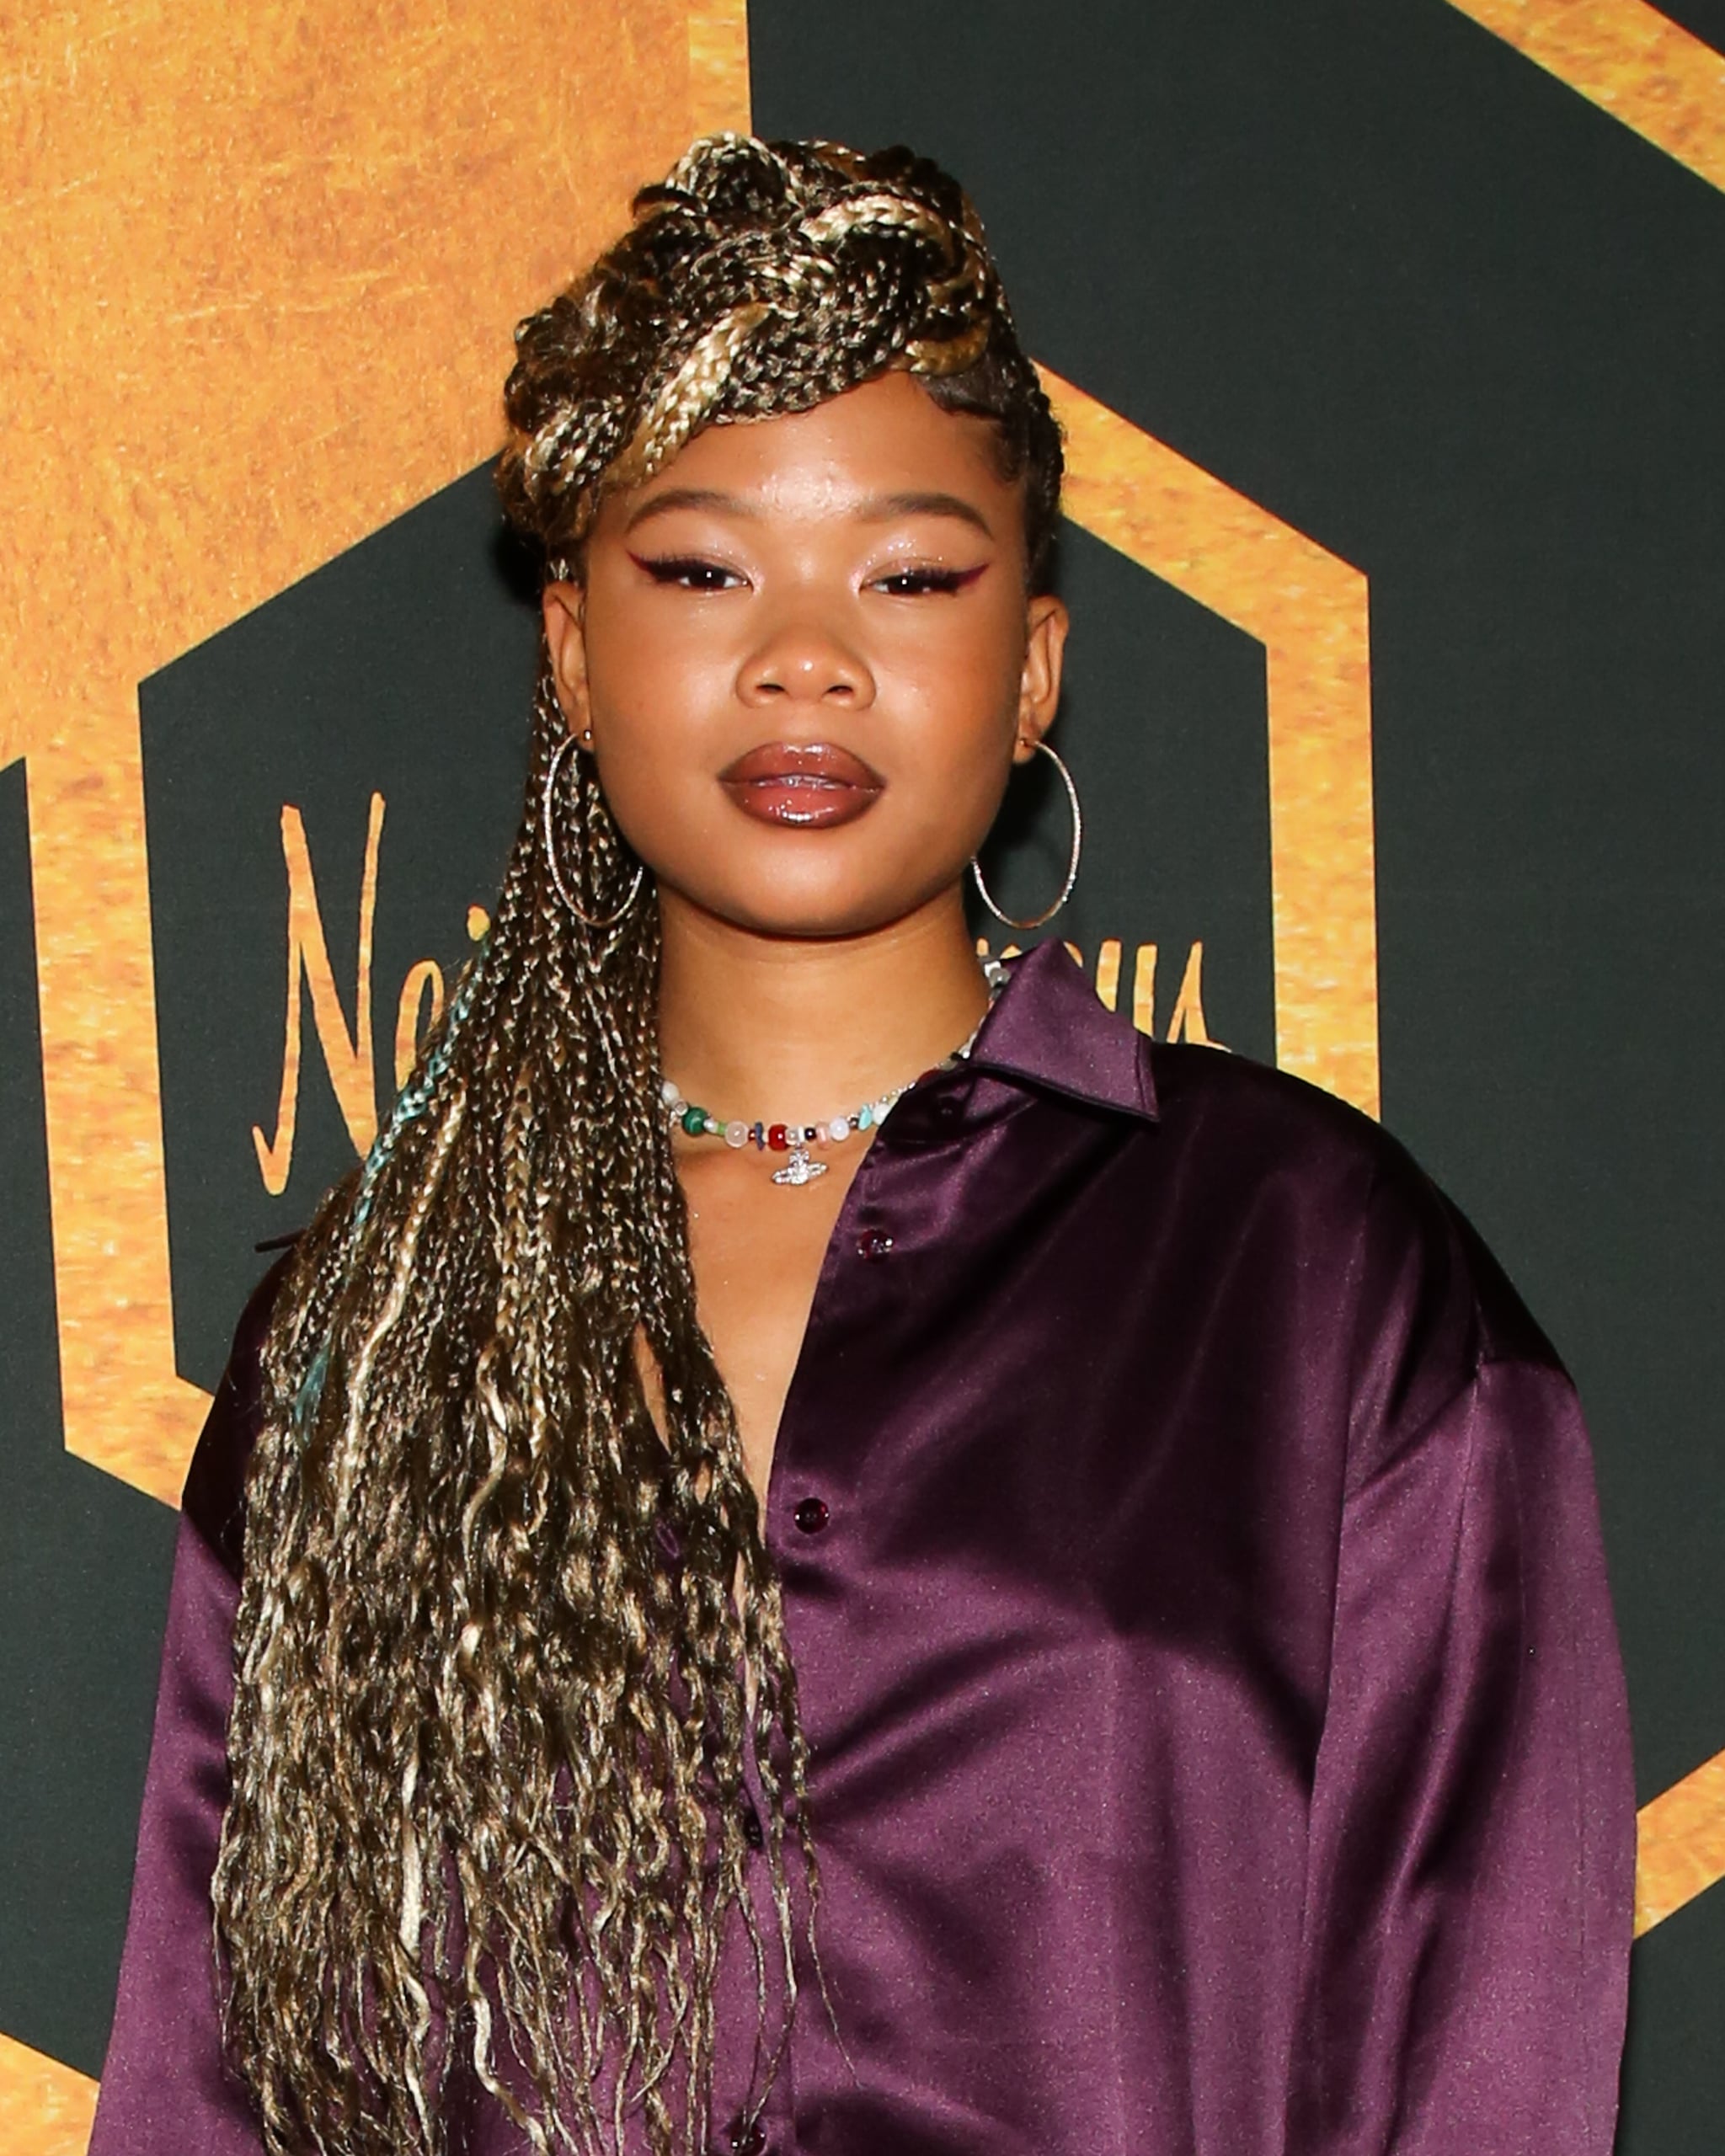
563 606
1046 622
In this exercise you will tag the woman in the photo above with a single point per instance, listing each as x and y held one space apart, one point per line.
755 1604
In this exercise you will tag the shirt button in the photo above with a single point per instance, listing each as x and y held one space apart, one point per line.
746 2138
874 1242
948 1107
811 1515
753 1833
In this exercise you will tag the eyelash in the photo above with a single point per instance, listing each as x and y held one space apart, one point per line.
683 568
944 581
694 574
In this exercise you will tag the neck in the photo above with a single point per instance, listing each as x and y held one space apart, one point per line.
774 1028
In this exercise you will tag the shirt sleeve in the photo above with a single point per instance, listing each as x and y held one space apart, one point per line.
1471 1873
165 2090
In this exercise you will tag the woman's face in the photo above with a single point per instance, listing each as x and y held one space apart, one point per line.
807 659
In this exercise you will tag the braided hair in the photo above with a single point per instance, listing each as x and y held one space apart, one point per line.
508 1628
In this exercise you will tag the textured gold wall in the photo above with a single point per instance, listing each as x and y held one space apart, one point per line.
262 263
1629 59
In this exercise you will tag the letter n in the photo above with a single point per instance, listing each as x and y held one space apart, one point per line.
347 1050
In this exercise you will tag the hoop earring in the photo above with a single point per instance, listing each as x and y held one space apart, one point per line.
587 920
1072 867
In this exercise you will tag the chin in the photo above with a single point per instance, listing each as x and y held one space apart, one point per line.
814 924
798 915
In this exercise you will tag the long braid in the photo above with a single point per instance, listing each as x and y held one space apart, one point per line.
488 1739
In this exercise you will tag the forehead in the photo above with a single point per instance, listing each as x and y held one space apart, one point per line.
887 436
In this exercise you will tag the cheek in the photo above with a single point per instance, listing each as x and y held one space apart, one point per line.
653 691
960 683
643 671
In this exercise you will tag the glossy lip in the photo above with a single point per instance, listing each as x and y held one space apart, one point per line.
810 785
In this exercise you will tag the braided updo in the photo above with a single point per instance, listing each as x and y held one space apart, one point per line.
758 279
507 1635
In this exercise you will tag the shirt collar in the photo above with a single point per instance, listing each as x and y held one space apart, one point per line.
1049 1026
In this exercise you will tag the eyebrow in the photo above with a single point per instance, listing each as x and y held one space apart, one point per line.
879 509
691 498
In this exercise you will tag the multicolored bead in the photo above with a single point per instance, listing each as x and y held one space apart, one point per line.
796 1138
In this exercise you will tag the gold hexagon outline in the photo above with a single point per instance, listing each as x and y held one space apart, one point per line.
1309 610
1634 62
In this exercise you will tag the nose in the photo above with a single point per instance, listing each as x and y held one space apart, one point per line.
802 661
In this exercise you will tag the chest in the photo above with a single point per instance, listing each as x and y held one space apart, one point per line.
757 1250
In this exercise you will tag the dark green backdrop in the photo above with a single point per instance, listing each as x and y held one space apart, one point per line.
1369 266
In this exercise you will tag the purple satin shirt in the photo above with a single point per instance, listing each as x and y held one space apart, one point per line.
1193 1574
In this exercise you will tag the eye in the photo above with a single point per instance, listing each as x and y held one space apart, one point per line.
914 584
687 572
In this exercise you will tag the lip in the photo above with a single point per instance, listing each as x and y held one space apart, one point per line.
809 785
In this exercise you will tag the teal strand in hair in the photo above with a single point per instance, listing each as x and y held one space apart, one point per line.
311 1391
416 1094
413 1100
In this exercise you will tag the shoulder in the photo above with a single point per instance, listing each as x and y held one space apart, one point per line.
1351 1191
214 1498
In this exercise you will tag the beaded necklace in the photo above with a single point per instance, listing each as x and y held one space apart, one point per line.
793 1139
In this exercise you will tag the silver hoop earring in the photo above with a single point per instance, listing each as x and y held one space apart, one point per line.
1072 867
588 919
